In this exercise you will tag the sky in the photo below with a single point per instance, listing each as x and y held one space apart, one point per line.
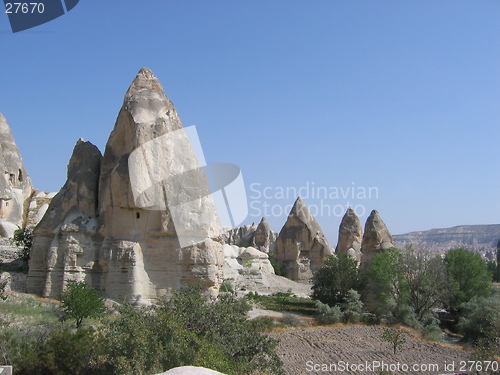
384 105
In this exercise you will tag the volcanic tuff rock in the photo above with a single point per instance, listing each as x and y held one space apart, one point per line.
260 236
15 185
301 246
350 235
263 237
376 238
66 234
128 245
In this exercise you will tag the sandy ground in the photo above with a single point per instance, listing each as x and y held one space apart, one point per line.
327 350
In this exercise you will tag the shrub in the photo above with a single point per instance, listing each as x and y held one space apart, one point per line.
327 313
80 301
226 287
395 337
278 267
23 237
480 319
468 275
336 278
353 307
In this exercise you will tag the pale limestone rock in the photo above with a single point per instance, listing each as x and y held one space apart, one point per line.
264 238
350 235
244 262
134 242
248 269
239 235
301 246
259 236
64 246
376 238
15 184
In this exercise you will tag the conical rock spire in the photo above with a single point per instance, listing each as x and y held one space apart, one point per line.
301 246
350 235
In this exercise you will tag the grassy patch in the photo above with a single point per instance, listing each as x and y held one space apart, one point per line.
285 302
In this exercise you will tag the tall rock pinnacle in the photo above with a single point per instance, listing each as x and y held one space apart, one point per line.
152 231
376 238
301 246
15 184
350 235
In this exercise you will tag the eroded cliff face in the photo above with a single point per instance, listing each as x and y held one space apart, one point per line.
301 246
15 184
136 227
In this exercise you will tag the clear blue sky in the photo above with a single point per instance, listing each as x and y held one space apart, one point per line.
400 97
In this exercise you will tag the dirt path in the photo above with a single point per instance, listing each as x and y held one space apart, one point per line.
358 349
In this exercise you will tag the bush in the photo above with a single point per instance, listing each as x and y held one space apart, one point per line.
278 267
23 237
188 329
353 307
395 337
329 314
480 319
226 287
468 275
336 278
80 301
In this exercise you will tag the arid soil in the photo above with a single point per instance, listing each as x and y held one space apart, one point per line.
359 349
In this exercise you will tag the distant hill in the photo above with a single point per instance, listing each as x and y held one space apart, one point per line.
481 238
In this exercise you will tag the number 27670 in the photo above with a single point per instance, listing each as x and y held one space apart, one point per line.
24 8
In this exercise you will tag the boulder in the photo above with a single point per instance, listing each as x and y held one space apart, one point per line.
350 235
241 263
301 246
376 238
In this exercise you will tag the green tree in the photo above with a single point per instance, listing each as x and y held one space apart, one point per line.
425 277
333 281
468 277
480 319
190 329
395 337
411 282
80 301
385 277
497 273
23 237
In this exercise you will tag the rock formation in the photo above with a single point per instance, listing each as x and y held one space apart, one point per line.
248 269
242 235
376 238
264 238
480 238
245 262
65 243
261 236
15 185
350 235
136 223
301 246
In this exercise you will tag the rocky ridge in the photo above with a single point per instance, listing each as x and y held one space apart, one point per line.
481 238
